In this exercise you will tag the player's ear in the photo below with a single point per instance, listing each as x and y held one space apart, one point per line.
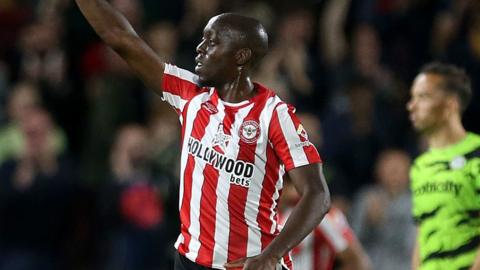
243 56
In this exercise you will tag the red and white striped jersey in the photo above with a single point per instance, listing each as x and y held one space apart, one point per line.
319 249
232 162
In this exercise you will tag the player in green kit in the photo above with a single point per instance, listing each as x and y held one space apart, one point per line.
445 180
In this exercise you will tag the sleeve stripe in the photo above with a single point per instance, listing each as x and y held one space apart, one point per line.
282 143
289 131
308 149
181 73
172 99
180 82
179 86
172 84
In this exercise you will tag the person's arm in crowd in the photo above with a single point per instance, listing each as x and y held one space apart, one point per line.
314 203
114 29
416 254
354 257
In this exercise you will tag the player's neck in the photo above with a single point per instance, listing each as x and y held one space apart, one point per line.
448 134
242 88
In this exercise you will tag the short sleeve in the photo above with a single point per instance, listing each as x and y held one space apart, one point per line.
179 86
290 140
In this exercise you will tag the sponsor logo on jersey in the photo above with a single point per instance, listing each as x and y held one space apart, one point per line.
210 107
440 187
249 131
303 134
241 172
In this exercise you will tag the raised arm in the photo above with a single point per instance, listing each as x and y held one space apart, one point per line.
118 33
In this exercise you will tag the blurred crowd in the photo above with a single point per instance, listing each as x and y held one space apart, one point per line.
89 157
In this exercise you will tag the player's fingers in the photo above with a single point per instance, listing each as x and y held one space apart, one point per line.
235 263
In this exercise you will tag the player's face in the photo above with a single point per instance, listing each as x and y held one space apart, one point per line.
428 103
215 59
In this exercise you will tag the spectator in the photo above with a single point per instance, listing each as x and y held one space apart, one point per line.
332 245
357 59
336 179
22 99
114 97
35 200
131 208
291 60
354 135
163 38
4 74
381 213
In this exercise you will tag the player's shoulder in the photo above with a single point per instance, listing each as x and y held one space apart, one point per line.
425 157
469 147
270 102
473 140
176 72
473 150
463 151
421 164
267 95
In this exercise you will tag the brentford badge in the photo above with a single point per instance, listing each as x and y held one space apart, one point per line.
249 131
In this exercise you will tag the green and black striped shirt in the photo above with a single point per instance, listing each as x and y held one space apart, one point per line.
445 187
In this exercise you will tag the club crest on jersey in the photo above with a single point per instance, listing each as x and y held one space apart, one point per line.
209 107
249 131
458 162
